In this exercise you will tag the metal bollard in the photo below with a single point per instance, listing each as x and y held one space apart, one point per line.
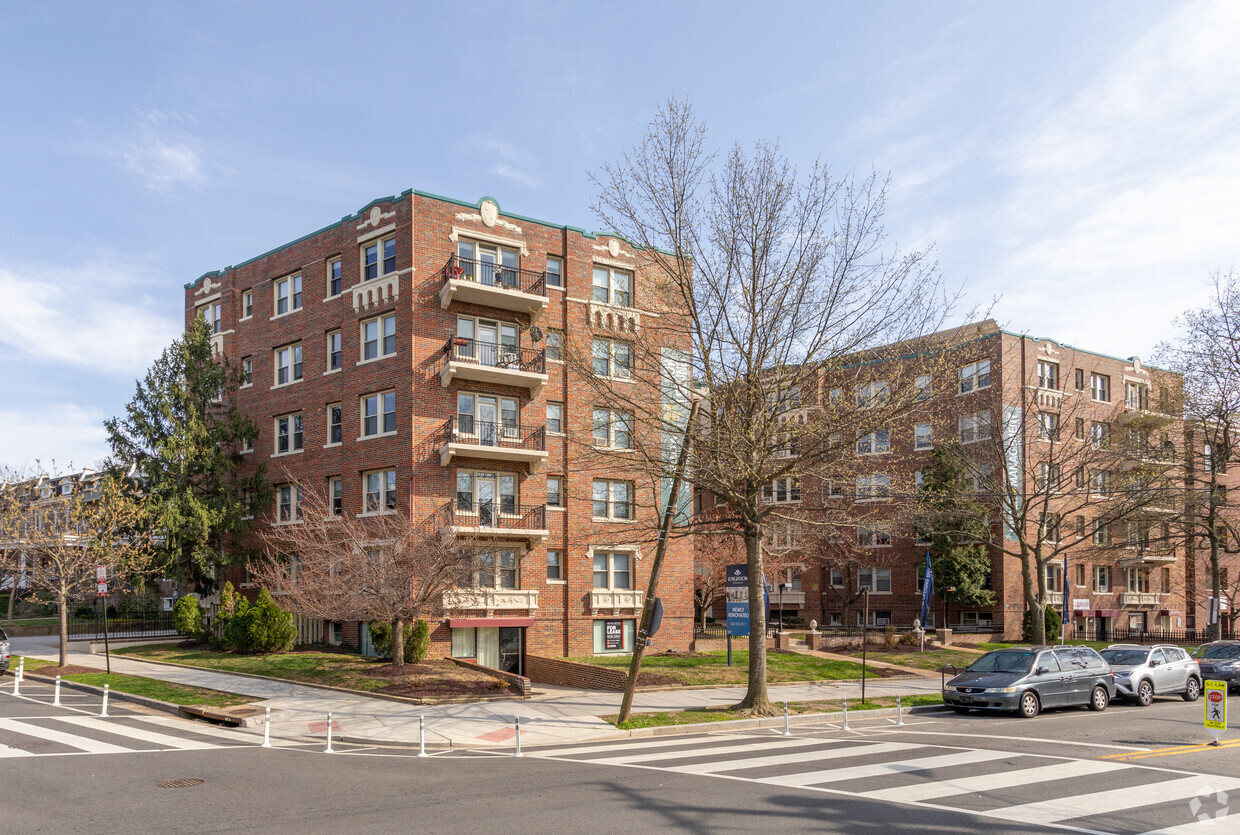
328 749
21 667
899 713
56 698
518 753
104 712
267 730
786 732
844 727
17 685
421 736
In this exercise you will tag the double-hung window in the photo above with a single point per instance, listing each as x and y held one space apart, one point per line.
612 499
1048 426
975 376
1048 374
334 432
379 414
214 315
555 565
874 536
555 345
923 436
975 427
1048 477
379 337
613 570
782 490
1100 484
288 294
613 429
288 503
555 272
1102 578
247 304
333 351
247 372
555 491
924 388
874 580
1100 388
289 434
333 278
873 395
874 443
288 364
378 258
613 358
1100 434
876 486
335 495
555 418
379 489
613 286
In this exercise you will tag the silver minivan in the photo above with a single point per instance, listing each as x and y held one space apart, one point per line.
1141 673
1029 679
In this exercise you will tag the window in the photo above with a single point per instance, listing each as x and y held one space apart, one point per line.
483 493
379 337
975 376
612 500
785 445
288 434
919 481
784 399
288 504
247 371
247 503
335 495
924 389
1101 535
922 537
782 490
872 395
1052 575
1079 431
1138 580
1048 426
288 364
613 358
1100 388
874 443
555 491
247 444
876 580
378 255
835 489
555 345
1102 578
555 565
486 263
555 272
379 489
288 294
1100 434
492 420
837 578
613 286
975 427
379 414
835 396
493 569
1080 576
213 314
1048 477
1048 375
870 487
923 436
333 351
1165 577
1048 527
1100 484
878 536
247 304
613 570
1080 379
334 434
1080 531
1136 396
333 278
555 418
613 429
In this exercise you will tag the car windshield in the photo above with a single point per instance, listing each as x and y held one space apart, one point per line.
1002 662
1223 651
1124 657
3 637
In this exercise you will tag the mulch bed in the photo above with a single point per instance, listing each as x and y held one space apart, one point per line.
67 670
657 680
437 680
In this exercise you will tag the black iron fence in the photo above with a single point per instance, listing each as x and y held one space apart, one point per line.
465 429
1183 637
124 626
491 274
490 515
495 355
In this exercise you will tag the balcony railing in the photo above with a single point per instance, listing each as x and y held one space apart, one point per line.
491 599
1139 598
492 362
466 436
493 285
489 519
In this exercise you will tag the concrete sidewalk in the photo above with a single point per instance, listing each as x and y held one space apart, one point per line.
555 715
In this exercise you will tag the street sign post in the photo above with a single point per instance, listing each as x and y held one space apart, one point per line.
1216 709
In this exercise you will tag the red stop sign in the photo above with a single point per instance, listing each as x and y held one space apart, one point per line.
1215 696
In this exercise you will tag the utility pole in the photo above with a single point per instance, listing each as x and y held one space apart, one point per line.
665 529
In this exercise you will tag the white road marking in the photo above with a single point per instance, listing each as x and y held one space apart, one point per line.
882 769
82 743
1115 800
787 759
777 742
136 733
989 782
623 746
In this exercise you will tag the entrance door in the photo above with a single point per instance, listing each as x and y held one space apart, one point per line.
488 416
486 266
486 499
488 343
510 649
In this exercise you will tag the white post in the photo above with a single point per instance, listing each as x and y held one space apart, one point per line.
21 667
844 727
17 685
267 730
328 749
786 731
56 698
518 752
421 736
899 713
104 712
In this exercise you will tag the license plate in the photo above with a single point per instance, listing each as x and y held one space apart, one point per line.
966 699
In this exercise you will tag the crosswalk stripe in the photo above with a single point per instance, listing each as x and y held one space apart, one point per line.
135 733
989 782
811 778
778 742
624 746
92 746
1114 800
14 752
213 731
802 756
1197 827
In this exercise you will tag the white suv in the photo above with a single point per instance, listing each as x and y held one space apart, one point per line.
1141 673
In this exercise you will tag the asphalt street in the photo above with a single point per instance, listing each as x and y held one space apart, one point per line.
1128 769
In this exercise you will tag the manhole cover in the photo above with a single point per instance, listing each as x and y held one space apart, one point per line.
32 744
183 783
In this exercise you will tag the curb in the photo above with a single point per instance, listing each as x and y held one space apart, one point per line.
145 701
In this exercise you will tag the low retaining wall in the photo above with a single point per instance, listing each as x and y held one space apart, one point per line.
564 673
520 682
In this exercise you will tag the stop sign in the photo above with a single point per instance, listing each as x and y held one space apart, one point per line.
1215 696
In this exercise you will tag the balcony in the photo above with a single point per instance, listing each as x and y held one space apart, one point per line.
469 438
612 599
1138 558
493 285
1138 598
485 521
1055 598
491 600
488 362
373 293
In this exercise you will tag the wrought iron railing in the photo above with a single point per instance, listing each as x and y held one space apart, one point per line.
495 355
495 275
492 515
1182 637
464 429
130 626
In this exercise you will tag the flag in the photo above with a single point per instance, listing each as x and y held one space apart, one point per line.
1066 601
927 590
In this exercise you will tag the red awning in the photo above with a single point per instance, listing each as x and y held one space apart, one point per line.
466 622
1110 613
1170 612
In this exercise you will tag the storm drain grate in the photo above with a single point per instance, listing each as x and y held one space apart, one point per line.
183 783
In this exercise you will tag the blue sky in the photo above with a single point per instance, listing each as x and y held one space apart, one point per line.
1077 161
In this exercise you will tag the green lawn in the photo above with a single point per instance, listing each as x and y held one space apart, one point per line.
712 667
330 668
1005 645
690 717
31 621
177 694
931 660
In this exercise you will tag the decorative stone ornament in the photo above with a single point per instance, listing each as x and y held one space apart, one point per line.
489 211
613 248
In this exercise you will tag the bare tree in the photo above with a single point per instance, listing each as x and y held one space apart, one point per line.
383 566
64 535
758 281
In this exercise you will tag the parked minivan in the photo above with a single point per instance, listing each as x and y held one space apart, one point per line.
1030 679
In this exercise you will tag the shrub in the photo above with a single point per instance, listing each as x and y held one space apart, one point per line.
417 639
112 612
265 627
84 613
1054 623
187 616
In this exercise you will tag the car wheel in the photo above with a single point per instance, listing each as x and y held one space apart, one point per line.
1099 699
1029 705
960 709
1145 694
1192 690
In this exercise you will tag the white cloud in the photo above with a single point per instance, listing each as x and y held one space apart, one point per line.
163 153
92 316
509 162
71 435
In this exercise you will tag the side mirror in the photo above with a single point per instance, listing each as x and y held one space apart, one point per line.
1155 663
1041 671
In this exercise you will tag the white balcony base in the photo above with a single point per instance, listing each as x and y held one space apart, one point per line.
1134 598
530 536
615 599
504 298
491 600
500 374
534 457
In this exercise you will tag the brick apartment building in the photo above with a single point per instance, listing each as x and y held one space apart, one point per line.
1002 396
409 358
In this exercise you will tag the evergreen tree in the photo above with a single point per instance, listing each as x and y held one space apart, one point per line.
959 527
182 435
